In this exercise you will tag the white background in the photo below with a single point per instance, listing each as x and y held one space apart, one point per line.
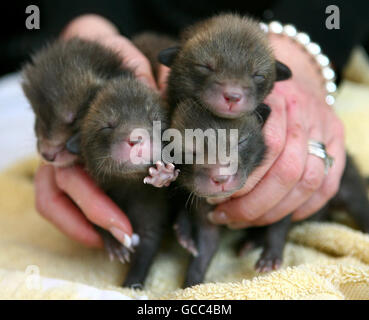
17 138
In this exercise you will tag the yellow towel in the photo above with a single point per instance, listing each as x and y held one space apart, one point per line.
321 260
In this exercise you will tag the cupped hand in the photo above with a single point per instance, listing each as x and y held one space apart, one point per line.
68 197
97 28
290 181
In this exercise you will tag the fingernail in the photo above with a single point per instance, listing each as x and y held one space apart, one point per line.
135 239
217 217
217 200
124 238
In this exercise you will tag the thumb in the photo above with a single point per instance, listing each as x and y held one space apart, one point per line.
133 59
102 211
163 75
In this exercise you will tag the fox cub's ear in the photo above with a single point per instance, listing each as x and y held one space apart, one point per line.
263 111
167 56
282 71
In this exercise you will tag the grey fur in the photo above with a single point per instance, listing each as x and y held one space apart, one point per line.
122 105
221 49
193 229
150 44
60 82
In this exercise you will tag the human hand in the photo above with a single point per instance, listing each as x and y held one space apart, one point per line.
68 197
97 28
71 200
290 180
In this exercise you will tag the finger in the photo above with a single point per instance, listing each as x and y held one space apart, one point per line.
153 171
279 180
94 203
170 166
159 165
331 184
238 225
148 180
56 207
133 59
163 74
275 138
311 181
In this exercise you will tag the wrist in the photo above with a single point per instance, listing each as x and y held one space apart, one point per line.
278 31
89 26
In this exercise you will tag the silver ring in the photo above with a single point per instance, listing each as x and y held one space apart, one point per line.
318 149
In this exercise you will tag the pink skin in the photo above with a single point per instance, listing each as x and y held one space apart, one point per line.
217 200
64 159
55 153
229 100
248 206
134 152
292 180
185 242
59 190
215 186
162 175
64 184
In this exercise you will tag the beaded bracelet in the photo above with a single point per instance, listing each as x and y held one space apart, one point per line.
312 48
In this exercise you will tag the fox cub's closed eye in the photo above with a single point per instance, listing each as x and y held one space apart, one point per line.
204 67
259 78
243 140
109 126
